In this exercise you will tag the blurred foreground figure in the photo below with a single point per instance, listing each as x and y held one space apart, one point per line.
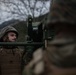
59 57
10 56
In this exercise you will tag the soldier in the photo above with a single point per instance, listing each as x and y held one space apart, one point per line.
10 56
59 57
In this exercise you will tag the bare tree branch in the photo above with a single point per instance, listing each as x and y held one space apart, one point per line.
22 8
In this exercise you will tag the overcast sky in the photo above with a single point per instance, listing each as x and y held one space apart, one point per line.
4 16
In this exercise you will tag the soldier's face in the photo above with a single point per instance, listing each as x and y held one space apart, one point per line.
12 37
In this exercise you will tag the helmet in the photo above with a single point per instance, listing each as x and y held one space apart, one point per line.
7 29
61 51
62 11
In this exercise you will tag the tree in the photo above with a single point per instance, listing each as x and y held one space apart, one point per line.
22 8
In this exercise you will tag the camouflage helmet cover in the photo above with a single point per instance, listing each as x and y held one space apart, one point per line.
62 11
61 51
6 30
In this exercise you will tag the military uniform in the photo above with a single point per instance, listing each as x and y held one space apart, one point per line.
10 56
59 57
10 61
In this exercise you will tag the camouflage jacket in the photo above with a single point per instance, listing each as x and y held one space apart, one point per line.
10 61
57 59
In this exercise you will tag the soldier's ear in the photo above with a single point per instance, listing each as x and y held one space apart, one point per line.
5 38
